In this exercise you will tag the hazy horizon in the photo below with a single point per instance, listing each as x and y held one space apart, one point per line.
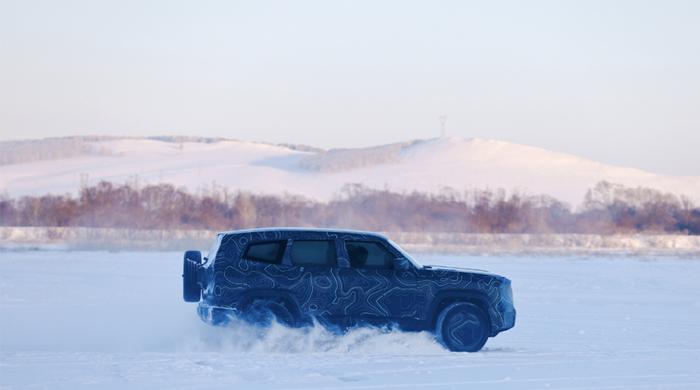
615 82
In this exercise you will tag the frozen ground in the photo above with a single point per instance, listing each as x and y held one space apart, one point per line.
71 320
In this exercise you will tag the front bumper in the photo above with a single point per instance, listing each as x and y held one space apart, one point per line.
506 308
508 319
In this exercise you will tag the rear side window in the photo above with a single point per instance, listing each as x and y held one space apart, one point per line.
266 252
369 254
313 253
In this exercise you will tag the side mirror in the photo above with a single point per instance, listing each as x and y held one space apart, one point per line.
401 264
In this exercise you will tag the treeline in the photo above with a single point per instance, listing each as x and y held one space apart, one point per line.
608 208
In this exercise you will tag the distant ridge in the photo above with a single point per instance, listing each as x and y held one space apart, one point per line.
52 148
62 165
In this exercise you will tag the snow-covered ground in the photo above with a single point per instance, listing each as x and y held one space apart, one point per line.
422 165
71 320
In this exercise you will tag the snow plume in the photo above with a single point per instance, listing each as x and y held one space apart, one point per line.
241 337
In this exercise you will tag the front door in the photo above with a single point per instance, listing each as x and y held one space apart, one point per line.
372 290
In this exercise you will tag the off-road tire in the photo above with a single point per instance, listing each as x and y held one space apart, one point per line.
462 327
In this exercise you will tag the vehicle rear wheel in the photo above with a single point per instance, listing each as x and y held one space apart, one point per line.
462 327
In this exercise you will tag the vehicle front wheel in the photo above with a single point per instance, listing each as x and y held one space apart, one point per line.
462 327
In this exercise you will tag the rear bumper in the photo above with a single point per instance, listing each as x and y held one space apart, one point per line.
215 315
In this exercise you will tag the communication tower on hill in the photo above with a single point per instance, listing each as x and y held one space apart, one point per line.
443 122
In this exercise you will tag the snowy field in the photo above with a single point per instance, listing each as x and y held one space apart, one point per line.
71 320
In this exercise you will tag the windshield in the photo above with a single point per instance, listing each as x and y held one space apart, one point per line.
405 254
213 249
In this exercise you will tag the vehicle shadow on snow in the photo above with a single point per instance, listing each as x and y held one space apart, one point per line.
499 350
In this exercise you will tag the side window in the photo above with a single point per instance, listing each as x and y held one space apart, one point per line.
266 252
317 252
369 254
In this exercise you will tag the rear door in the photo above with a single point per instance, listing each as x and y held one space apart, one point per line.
315 289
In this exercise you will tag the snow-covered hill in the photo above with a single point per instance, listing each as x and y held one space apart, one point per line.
423 165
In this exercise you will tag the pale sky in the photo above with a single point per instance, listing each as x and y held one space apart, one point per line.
614 81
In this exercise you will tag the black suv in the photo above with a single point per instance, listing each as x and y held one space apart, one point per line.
342 279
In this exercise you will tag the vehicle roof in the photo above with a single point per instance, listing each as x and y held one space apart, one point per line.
305 229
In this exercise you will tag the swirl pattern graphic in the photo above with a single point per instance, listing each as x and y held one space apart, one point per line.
342 294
